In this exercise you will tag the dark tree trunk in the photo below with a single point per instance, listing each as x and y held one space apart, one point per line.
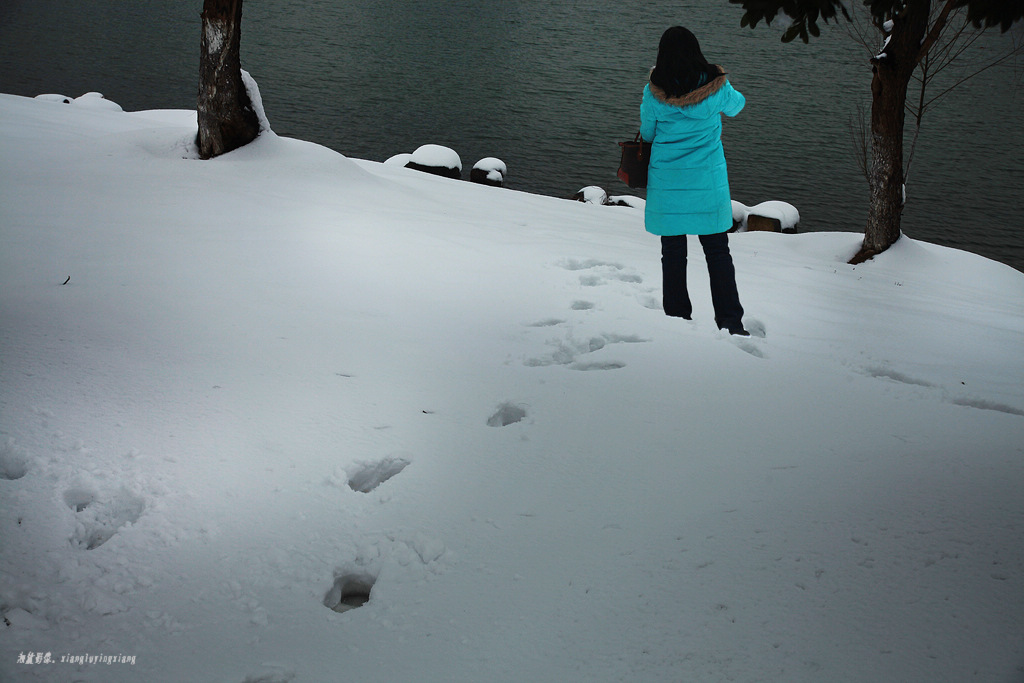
893 69
226 116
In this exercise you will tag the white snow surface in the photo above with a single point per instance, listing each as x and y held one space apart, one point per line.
283 378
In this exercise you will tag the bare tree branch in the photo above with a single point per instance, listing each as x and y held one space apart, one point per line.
938 26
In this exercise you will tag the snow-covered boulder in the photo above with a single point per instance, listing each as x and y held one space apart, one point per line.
95 100
770 216
781 216
54 97
399 159
90 100
592 194
436 159
489 171
627 200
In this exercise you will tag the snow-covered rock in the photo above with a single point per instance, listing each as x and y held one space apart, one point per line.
399 159
771 215
95 100
436 159
592 194
626 200
489 171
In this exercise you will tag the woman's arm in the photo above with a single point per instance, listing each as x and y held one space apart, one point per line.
648 120
734 100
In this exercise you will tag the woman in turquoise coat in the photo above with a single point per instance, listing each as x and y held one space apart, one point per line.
688 182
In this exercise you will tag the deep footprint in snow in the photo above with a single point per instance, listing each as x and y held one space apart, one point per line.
573 264
609 271
13 461
507 414
547 322
599 365
569 349
755 327
78 499
98 520
651 302
751 344
364 477
350 591
745 344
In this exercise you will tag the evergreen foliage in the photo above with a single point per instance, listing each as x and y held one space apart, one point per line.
806 13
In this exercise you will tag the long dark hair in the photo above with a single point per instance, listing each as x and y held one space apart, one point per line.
681 66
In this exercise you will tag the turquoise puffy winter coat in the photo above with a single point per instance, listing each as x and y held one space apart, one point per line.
688 183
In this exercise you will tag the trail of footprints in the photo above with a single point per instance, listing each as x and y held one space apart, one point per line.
353 583
570 351
595 273
99 516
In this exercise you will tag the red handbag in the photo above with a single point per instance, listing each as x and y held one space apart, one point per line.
636 155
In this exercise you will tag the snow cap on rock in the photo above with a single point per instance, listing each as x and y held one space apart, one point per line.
436 155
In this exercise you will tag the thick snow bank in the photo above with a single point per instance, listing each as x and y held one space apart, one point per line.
296 417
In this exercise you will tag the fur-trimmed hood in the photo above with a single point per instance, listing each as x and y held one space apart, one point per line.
694 96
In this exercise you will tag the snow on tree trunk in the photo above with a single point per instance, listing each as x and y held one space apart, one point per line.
226 116
893 69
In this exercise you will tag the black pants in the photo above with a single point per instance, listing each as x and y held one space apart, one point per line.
724 296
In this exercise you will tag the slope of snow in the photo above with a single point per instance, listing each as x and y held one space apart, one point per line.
284 379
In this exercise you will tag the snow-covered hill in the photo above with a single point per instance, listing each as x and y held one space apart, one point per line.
283 379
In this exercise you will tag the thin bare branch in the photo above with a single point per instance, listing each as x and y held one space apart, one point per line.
1019 50
859 139
938 26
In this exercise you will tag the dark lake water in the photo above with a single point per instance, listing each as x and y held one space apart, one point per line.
549 87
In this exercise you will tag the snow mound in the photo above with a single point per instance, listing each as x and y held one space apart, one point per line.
492 165
436 156
90 100
399 159
592 194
